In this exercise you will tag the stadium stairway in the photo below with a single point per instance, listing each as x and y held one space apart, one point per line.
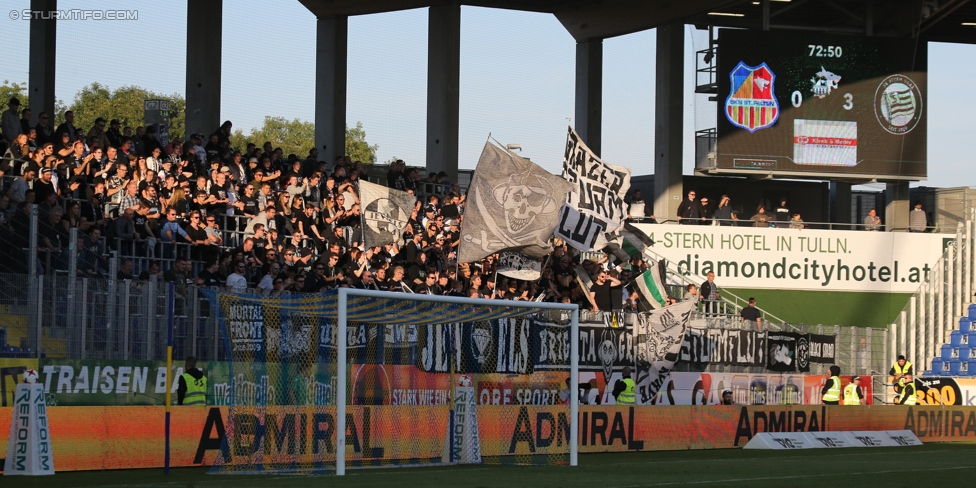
958 357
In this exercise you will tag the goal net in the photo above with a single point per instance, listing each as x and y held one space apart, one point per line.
360 378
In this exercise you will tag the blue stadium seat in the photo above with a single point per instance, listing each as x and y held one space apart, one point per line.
955 338
946 352
972 312
971 367
937 364
955 367
965 325
961 353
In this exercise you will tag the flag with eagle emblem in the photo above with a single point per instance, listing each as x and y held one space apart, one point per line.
657 342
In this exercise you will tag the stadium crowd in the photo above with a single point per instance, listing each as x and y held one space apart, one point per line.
199 211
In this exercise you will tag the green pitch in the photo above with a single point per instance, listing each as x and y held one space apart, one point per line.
929 465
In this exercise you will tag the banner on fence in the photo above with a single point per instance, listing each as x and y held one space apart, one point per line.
724 346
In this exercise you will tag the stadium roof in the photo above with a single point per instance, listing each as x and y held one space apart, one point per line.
929 20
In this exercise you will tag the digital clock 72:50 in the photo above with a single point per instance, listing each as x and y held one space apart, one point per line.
819 51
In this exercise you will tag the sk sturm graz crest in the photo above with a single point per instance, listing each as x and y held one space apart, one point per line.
752 103
898 104
803 353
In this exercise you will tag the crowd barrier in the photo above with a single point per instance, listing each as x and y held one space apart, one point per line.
94 438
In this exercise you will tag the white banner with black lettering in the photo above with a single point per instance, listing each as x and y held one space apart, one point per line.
595 207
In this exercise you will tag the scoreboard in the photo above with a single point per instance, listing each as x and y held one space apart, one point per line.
821 106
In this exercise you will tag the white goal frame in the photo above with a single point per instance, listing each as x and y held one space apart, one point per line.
340 394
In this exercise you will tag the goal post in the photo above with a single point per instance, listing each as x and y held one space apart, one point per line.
318 383
344 295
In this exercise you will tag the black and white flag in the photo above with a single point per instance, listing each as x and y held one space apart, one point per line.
513 205
515 265
385 213
657 343
782 355
595 210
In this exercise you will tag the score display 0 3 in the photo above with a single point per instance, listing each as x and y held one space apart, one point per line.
809 104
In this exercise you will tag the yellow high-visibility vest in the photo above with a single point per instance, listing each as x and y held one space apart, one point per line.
912 398
901 369
626 397
196 390
833 394
850 395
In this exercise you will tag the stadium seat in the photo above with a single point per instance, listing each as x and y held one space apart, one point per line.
955 338
971 336
955 366
965 325
946 353
961 353
972 312
971 367
937 364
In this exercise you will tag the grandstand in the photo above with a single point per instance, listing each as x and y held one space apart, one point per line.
125 252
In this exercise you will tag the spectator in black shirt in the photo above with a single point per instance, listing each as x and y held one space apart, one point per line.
44 185
751 315
601 294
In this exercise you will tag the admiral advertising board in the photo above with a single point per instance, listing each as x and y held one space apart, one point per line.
816 105
199 432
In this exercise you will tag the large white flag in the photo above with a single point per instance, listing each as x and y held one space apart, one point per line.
657 343
512 205
595 209
385 213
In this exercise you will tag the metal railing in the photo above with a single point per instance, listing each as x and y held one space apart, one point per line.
748 222
84 318
933 311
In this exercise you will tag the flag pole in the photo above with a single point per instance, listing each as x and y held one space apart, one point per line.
169 370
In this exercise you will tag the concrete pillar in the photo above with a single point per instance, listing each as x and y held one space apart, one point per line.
589 93
897 206
668 121
840 203
443 94
203 54
331 56
43 50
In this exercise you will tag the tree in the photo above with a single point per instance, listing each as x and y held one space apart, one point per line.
356 146
126 104
18 90
292 136
9 90
298 137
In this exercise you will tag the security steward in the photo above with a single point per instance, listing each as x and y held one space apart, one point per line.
192 389
905 388
624 390
901 368
831 390
852 392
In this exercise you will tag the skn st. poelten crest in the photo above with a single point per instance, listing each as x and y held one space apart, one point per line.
752 103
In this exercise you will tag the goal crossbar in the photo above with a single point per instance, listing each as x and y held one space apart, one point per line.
342 326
